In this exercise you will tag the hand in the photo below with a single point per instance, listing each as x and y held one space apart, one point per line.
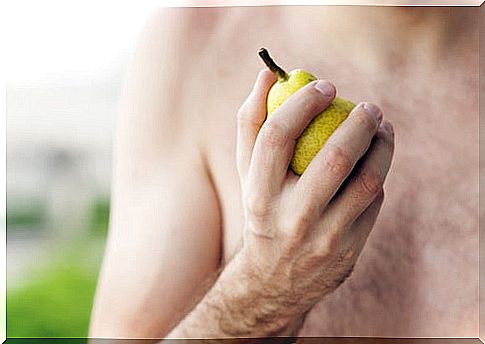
303 235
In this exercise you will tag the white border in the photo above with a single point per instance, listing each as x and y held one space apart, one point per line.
222 3
154 3
3 182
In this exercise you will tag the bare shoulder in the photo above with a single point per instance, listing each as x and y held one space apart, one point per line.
156 86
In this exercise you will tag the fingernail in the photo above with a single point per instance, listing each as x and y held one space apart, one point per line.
387 127
325 88
373 110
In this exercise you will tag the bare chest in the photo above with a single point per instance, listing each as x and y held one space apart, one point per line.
418 275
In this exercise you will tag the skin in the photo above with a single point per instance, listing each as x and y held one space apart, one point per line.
210 236
301 238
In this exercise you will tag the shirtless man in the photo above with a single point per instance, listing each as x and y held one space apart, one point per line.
202 197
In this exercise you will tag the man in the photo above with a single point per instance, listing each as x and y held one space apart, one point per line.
210 236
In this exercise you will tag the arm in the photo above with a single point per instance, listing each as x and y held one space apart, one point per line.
304 234
301 236
163 246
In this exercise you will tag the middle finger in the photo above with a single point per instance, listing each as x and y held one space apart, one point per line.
276 140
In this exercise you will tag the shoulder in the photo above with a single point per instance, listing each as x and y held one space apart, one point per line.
155 115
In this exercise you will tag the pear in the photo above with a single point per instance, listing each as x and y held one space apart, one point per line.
320 128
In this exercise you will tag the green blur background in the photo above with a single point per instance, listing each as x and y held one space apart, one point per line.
55 298
62 95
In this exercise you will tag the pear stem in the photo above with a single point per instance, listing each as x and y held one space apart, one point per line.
269 62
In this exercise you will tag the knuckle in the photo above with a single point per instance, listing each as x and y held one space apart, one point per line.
242 112
293 240
338 161
274 134
385 138
365 120
370 183
312 102
297 226
329 244
257 206
333 242
300 223
245 116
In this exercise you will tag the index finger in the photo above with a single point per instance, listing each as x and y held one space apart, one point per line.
276 140
250 118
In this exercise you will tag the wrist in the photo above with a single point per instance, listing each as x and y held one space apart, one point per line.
247 309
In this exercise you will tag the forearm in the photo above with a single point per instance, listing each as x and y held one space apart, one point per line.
236 307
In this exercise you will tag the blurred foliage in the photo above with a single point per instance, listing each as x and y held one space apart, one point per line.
58 304
56 298
100 217
29 215
55 341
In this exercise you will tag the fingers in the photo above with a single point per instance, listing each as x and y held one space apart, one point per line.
276 140
367 181
357 235
250 117
337 158
348 239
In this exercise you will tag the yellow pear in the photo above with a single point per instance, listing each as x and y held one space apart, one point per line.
320 128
